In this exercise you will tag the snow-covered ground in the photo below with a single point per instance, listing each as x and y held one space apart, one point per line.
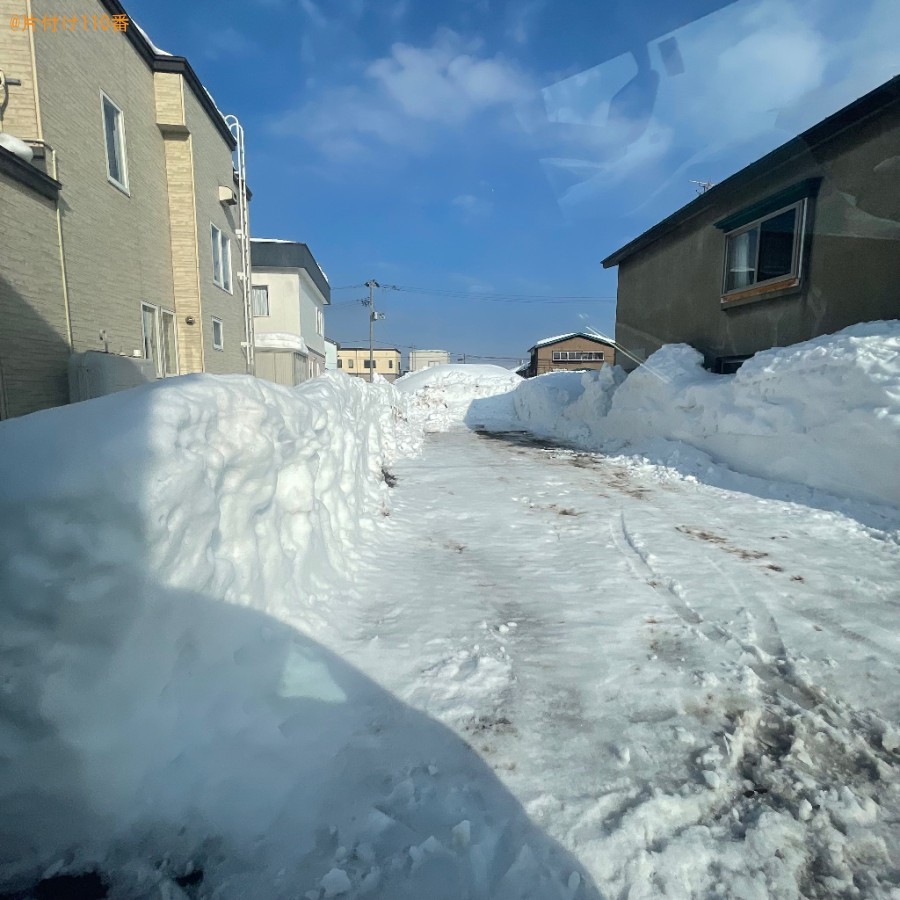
271 643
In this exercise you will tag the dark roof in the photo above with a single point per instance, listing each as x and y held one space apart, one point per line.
851 115
277 254
177 64
549 342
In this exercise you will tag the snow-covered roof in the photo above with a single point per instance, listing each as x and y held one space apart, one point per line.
280 340
564 337
153 46
254 240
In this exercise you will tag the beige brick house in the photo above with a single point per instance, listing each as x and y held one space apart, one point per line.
355 361
120 234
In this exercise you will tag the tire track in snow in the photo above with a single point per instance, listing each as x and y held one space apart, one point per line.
776 670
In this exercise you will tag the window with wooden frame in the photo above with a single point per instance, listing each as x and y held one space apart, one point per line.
765 251
765 244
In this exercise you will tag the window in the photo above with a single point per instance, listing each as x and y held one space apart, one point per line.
168 349
221 259
578 356
260 294
114 139
390 364
226 264
218 342
340 364
766 251
158 337
349 363
320 321
150 334
374 364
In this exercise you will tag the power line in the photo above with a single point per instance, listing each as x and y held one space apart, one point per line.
485 297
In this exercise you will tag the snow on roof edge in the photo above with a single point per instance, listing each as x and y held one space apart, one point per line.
561 337
146 37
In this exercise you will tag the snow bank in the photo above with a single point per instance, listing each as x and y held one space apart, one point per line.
824 413
455 395
569 406
152 541
173 572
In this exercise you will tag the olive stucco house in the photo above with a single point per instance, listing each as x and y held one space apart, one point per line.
803 242
119 208
568 353
290 293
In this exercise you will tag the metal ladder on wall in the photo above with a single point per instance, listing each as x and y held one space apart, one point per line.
243 233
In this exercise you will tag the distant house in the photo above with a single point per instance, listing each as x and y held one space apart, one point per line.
803 242
355 361
331 355
568 352
290 293
119 212
426 359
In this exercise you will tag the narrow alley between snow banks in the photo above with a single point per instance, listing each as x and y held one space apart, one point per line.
690 688
462 637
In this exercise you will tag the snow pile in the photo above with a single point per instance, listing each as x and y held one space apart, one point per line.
153 543
569 406
824 413
453 395
173 714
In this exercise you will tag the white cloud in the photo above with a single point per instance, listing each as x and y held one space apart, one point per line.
407 96
446 83
750 69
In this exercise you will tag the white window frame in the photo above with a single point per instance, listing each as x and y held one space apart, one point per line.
796 253
159 331
121 184
157 313
578 356
253 289
221 258
226 263
152 343
221 345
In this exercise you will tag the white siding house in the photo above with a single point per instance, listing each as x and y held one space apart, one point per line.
426 359
290 293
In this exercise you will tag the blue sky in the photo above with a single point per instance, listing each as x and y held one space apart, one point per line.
492 152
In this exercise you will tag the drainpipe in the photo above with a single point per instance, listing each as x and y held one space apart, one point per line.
62 254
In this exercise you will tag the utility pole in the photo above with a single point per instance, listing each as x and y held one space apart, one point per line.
371 284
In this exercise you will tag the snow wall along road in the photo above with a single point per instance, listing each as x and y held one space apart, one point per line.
125 524
173 565
824 413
